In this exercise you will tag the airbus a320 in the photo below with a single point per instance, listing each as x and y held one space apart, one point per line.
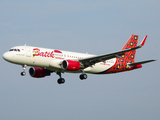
46 61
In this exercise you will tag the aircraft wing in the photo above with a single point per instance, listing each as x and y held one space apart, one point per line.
101 58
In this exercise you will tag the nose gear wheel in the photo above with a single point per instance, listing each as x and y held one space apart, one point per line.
23 73
24 68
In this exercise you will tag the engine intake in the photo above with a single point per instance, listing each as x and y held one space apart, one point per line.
70 65
38 72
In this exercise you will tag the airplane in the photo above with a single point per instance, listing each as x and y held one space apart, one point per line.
44 61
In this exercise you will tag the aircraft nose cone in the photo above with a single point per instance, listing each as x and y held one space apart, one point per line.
9 57
5 56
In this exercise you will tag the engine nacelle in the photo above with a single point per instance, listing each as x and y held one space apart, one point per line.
70 65
38 72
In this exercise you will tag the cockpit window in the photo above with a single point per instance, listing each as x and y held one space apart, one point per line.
15 50
11 50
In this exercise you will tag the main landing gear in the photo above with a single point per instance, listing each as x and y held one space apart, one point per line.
83 76
24 68
60 80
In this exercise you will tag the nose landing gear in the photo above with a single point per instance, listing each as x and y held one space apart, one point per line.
24 68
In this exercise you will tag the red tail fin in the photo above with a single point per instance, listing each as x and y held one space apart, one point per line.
132 42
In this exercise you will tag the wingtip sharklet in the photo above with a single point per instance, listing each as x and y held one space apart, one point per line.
143 41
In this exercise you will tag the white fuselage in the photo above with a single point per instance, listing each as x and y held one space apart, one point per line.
51 59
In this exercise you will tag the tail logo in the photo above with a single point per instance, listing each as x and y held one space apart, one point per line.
132 56
123 56
131 43
135 37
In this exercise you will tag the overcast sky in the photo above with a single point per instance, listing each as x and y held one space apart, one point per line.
96 27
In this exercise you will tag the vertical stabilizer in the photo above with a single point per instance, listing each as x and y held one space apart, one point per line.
131 43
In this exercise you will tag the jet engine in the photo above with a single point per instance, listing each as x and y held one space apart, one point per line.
70 65
38 72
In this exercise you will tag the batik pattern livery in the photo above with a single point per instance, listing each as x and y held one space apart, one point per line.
121 63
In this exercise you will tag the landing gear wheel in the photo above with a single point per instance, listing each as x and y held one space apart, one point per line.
23 73
61 81
83 76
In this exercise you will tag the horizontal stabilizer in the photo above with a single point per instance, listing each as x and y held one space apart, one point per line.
137 63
